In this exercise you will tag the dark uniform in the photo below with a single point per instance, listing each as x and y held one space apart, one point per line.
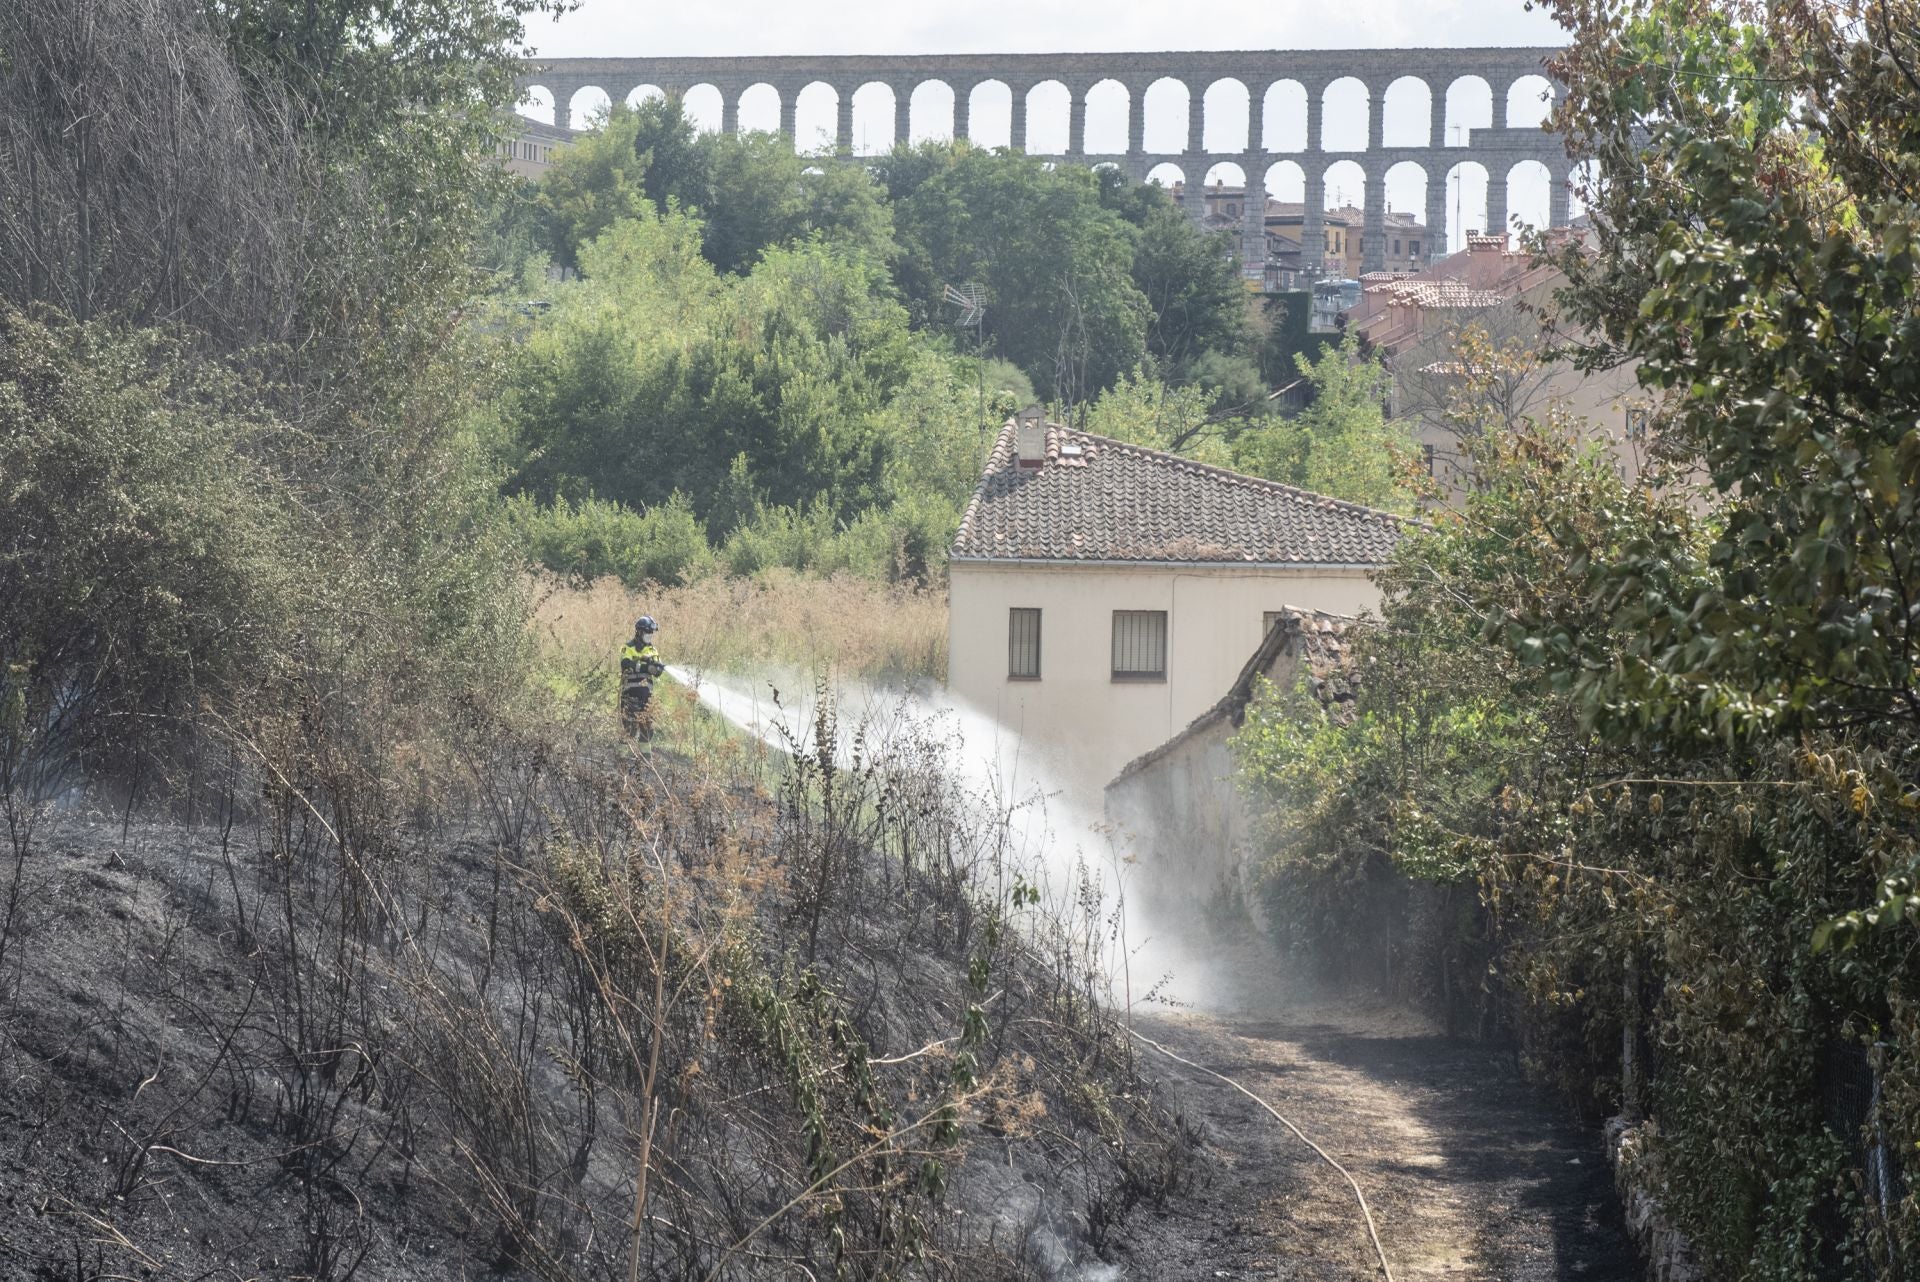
639 665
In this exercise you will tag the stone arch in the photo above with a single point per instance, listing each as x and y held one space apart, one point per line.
1345 118
1583 187
1049 113
644 93
1168 175
990 114
1406 188
1344 198
1529 100
1466 202
536 103
1165 110
759 109
930 112
816 118
1109 109
1345 185
1469 107
1287 182
588 108
1283 117
1406 113
1407 247
873 106
1226 117
1230 180
1529 197
705 107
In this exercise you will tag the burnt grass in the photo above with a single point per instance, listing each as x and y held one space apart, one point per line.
203 1076
222 1057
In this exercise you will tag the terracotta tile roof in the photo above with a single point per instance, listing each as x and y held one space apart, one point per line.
1447 293
1097 499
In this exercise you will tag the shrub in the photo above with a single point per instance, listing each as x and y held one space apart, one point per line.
904 543
147 560
595 538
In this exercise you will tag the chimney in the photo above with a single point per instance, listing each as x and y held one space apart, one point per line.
1030 435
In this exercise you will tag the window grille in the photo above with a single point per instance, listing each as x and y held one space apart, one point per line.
1139 645
1023 644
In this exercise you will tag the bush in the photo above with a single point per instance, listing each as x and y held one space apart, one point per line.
147 560
596 538
904 543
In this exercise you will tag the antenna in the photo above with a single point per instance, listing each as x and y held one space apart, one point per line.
970 301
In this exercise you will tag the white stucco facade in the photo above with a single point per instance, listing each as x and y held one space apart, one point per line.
1083 721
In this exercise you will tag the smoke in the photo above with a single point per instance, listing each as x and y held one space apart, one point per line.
1058 839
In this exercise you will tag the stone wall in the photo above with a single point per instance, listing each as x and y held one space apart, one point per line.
1665 1255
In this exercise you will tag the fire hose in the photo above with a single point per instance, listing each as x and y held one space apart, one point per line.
1365 1213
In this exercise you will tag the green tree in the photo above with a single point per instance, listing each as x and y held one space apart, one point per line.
1061 302
749 190
593 183
760 195
1146 411
1191 282
1343 444
655 374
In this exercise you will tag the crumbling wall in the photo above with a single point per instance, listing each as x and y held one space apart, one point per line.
1183 819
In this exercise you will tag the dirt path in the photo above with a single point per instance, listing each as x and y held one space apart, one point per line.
1471 1173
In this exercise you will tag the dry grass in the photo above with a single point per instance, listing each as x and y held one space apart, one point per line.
853 626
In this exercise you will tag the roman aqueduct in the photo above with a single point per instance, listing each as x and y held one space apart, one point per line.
1409 120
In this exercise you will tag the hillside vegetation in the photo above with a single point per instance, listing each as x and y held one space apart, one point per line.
753 364
1631 776
333 944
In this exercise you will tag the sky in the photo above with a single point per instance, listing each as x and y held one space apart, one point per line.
614 28
636 28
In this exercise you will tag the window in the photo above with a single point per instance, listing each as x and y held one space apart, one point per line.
1268 618
1413 247
1023 644
1396 246
1637 424
1426 454
1139 645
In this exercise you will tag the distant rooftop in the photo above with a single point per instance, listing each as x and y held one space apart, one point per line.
1092 498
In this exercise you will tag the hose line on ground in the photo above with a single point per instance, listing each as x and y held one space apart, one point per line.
1360 1197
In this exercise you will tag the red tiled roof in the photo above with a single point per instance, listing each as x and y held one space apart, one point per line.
1097 499
1446 293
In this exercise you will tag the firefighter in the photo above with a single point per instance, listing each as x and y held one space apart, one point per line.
639 665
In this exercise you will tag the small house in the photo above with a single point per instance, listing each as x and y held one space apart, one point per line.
1103 595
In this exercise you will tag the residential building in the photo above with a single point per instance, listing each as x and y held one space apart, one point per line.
530 146
1342 232
1416 323
1103 595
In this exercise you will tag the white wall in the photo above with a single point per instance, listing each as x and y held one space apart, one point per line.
1082 722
